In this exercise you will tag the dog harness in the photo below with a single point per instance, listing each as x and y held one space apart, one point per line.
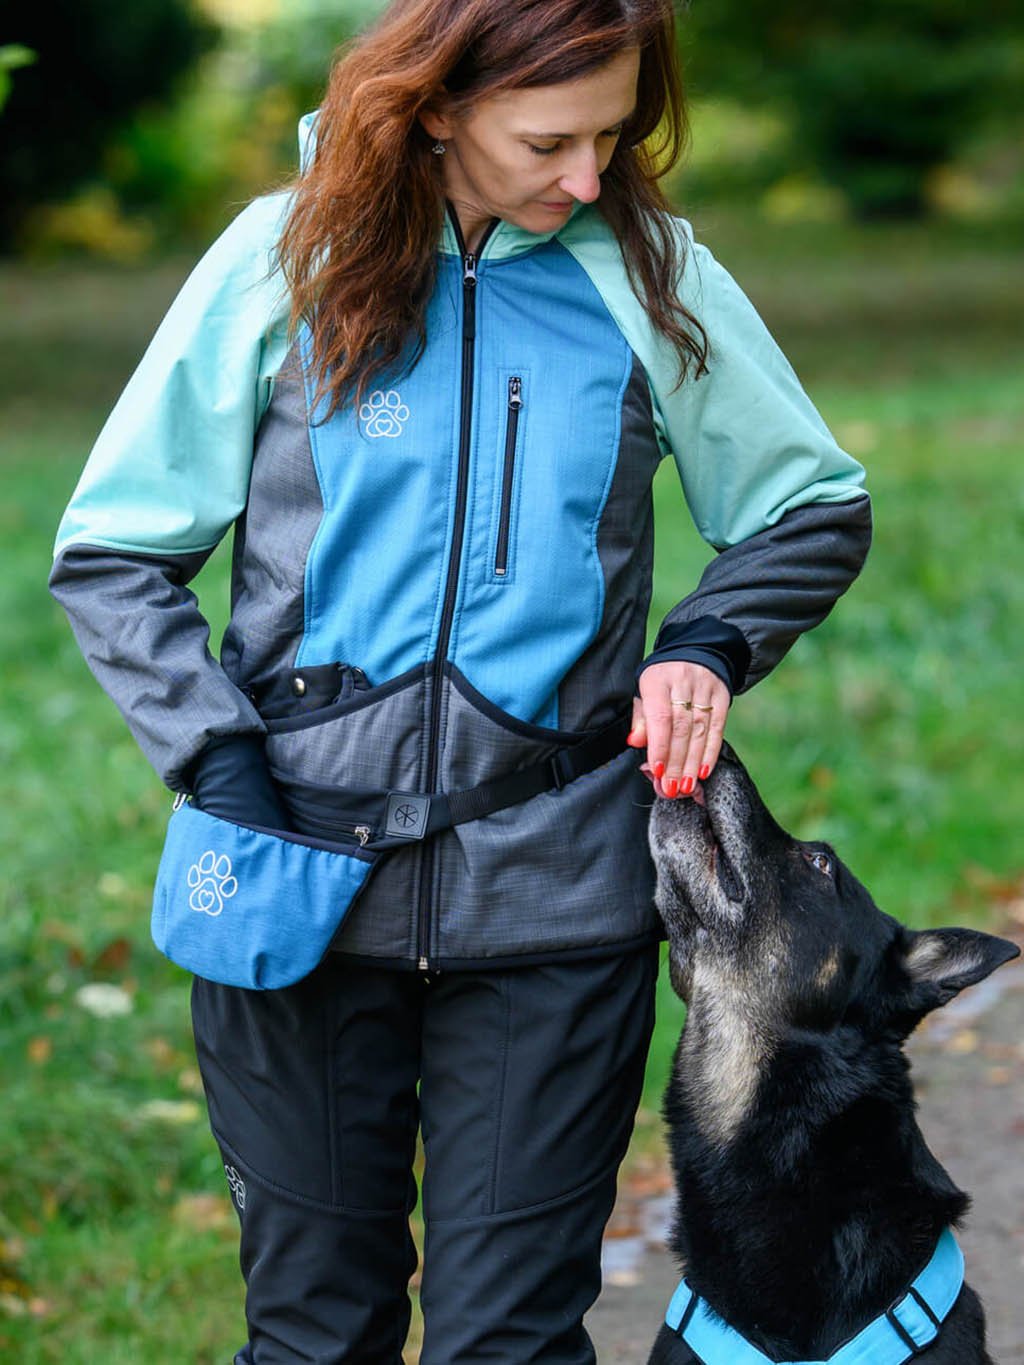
910 1323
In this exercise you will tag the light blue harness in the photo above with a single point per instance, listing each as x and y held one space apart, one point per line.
906 1327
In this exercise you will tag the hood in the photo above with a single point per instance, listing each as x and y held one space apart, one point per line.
307 138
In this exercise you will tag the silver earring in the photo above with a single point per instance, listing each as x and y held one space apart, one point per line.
439 149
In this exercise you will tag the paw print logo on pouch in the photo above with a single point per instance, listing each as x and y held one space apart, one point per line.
211 882
384 414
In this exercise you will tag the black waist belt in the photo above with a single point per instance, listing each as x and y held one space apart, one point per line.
388 819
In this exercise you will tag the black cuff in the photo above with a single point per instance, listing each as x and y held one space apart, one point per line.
707 641
230 780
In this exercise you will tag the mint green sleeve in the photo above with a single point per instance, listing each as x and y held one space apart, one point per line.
167 477
170 469
765 482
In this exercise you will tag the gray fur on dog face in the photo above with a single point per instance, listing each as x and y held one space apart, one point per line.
766 935
739 894
774 942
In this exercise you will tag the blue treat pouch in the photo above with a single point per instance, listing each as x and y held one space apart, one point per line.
247 906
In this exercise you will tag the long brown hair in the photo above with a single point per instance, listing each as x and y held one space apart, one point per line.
358 250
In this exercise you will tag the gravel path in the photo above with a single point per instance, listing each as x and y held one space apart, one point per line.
968 1064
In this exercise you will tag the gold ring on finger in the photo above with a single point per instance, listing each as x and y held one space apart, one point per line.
702 708
686 705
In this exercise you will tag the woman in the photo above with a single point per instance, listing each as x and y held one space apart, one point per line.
429 386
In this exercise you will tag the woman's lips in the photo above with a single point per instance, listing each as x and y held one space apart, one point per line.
556 208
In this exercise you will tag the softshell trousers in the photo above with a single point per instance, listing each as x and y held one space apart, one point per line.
524 1083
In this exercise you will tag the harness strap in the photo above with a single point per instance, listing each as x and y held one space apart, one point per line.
910 1324
552 774
395 818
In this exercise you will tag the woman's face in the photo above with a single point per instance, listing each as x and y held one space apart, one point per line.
528 155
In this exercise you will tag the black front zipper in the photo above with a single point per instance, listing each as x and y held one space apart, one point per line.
469 264
515 403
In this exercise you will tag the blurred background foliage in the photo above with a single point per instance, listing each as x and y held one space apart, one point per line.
859 169
182 111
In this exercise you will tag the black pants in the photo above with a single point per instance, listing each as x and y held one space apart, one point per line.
525 1082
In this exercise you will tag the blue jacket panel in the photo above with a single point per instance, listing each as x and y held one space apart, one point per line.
451 580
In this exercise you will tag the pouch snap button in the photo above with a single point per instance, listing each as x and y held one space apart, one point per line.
299 686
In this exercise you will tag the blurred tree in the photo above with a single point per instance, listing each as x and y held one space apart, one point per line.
97 63
293 49
11 57
881 92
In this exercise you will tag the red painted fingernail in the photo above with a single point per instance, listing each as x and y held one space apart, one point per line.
705 771
670 786
659 770
686 786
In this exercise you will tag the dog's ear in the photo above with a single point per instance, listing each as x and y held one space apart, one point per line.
942 962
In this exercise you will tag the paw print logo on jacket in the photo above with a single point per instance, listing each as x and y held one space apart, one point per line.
384 414
211 882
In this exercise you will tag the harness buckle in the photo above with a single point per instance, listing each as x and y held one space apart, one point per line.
406 814
934 1325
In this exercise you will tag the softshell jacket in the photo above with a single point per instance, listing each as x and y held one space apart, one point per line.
452 580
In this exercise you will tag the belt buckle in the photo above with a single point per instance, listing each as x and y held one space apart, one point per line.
406 814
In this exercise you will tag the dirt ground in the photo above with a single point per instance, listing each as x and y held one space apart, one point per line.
968 1067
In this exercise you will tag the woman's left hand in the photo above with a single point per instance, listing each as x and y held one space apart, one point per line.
680 716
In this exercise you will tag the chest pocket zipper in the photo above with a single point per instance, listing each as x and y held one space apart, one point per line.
515 404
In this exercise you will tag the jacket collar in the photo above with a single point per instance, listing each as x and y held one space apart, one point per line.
907 1326
503 240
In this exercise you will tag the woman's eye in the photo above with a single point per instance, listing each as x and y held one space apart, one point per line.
821 861
542 151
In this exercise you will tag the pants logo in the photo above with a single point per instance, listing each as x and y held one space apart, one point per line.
236 1184
211 882
384 415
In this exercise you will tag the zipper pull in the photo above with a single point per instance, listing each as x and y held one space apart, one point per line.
362 833
179 800
515 392
469 271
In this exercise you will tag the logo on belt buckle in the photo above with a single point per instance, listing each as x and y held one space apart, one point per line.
405 815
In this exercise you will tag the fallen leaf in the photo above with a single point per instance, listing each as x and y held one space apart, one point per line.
163 1053
190 1081
1001 1052
114 957
203 1212
999 1075
169 1111
104 1000
966 1040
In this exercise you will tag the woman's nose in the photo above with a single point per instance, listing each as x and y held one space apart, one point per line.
582 180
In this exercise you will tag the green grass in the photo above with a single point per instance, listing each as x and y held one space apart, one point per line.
894 730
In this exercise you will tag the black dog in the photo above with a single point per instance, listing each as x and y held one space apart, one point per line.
808 1200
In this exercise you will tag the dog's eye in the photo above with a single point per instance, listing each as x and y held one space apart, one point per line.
821 861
